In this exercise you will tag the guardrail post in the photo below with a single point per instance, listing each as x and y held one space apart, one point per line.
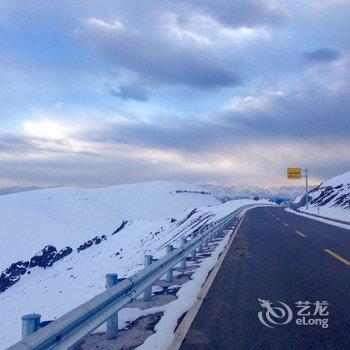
183 261
30 324
193 253
169 274
147 293
205 244
200 248
112 322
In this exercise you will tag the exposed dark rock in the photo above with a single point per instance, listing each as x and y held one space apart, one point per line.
45 258
12 274
90 242
321 196
120 227
196 192
48 256
85 245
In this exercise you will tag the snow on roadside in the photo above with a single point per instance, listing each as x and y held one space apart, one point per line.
329 222
328 212
187 296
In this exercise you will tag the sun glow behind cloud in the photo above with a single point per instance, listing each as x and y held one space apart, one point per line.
45 128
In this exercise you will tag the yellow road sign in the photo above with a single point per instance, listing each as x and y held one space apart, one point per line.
294 173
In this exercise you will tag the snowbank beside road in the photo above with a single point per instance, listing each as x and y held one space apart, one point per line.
326 221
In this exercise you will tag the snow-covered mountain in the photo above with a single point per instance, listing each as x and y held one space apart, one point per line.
238 192
52 222
57 244
17 189
331 198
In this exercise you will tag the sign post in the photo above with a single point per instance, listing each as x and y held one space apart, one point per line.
296 174
306 175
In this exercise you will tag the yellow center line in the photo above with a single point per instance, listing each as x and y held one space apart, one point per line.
343 260
300 233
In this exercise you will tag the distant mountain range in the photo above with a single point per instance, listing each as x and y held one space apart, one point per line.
283 193
278 193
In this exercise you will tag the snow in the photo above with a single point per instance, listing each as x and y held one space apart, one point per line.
297 199
69 216
328 212
337 180
237 192
330 222
187 296
331 199
157 214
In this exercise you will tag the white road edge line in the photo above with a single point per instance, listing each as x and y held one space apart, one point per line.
185 324
300 233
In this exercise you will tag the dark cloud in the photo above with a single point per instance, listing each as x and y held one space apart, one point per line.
79 170
322 55
237 13
13 143
130 92
314 117
19 144
159 57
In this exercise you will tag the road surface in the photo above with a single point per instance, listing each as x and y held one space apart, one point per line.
280 257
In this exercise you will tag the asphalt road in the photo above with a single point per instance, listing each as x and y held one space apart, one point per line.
279 257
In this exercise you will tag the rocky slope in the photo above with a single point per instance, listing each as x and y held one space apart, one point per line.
331 198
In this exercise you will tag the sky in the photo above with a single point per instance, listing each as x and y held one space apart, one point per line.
226 92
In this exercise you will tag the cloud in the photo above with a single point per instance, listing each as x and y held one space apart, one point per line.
322 55
315 115
115 26
253 139
159 56
131 92
233 97
257 163
252 13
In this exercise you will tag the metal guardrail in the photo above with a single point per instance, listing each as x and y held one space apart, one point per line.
69 329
